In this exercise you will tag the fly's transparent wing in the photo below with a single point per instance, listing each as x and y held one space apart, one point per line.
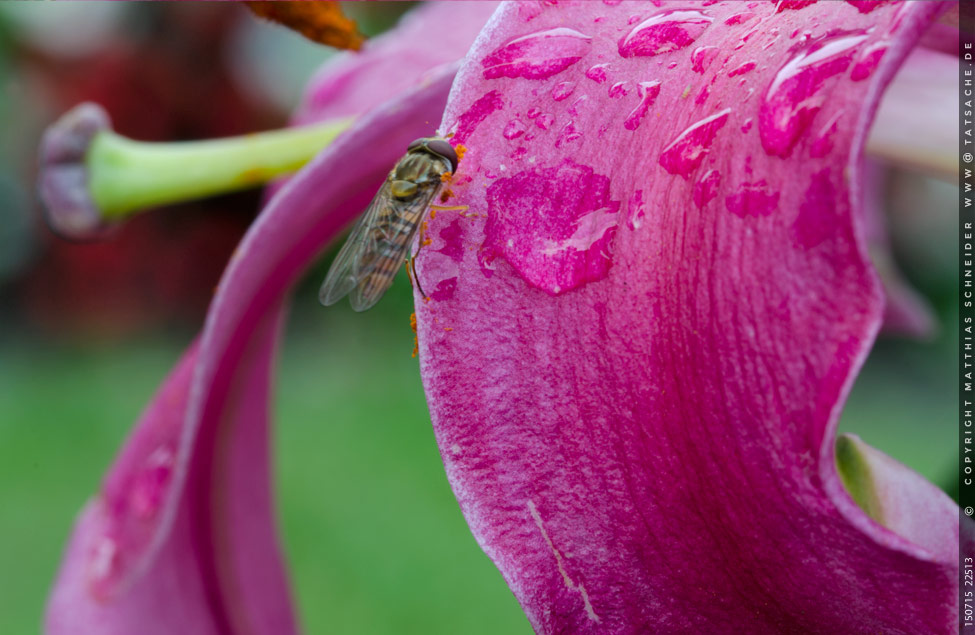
377 246
394 235
347 271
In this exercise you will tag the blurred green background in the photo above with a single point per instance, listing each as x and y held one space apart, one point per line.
375 540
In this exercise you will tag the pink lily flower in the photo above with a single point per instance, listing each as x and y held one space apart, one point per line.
646 309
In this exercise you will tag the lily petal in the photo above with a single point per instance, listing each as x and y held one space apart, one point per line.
647 317
206 559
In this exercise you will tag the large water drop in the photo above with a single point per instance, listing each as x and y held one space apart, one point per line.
648 92
796 93
687 151
537 55
663 32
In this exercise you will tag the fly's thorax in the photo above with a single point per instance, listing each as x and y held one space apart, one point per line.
420 167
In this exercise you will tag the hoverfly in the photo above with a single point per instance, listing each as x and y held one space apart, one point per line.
366 264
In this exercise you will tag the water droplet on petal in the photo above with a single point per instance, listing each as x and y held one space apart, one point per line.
555 225
794 96
514 129
741 70
648 92
823 143
866 6
663 32
598 73
537 55
706 188
687 151
480 110
563 90
702 57
104 566
672 65
785 5
150 485
619 89
544 121
577 106
568 134
635 210
752 199
740 18
868 62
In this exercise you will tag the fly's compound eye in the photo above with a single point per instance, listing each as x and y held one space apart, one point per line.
442 148
402 189
438 147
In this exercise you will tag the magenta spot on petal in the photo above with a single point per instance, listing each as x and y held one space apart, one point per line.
663 32
687 151
752 199
702 57
514 129
703 95
533 112
795 95
480 110
537 55
619 89
740 18
445 289
823 143
747 124
868 61
452 237
741 70
706 188
635 210
612 3
554 225
648 92
563 90
528 11
518 153
544 120
598 73
817 214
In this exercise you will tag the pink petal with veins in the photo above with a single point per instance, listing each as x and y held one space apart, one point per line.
638 418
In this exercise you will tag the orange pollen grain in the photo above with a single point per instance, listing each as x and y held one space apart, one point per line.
460 149
448 208
445 177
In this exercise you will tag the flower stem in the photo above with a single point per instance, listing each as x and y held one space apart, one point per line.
126 176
